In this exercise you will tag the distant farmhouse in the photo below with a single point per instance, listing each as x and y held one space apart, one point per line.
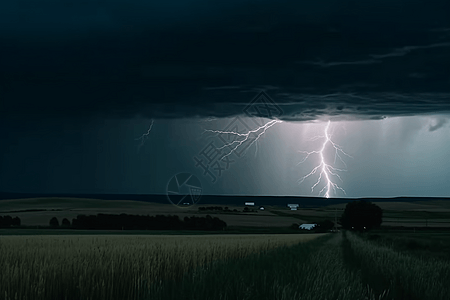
249 203
293 206
307 226
261 208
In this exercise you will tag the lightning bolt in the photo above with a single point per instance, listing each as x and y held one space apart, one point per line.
144 136
234 145
327 171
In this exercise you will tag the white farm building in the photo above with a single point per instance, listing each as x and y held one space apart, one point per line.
293 206
307 226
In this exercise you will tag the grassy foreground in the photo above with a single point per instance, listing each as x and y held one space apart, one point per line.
331 266
115 267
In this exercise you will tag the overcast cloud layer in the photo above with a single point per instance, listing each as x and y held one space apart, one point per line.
196 58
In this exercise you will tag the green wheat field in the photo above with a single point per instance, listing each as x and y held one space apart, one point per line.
344 265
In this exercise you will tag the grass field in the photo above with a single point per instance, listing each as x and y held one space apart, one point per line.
75 264
39 211
406 214
426 245
228 231
329 266
115 267
405 275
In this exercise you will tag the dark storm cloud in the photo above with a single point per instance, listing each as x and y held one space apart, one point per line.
323 64
177 59
408 49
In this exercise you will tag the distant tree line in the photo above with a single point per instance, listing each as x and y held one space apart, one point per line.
8 221
218 208
137 222
223 209
54 223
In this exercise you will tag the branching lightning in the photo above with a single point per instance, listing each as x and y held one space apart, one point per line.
243 137
144 137
327 171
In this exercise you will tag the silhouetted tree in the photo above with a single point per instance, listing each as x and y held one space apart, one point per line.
54 222
361 215
218 224
159 222
65 223
16 221
7 221
294 226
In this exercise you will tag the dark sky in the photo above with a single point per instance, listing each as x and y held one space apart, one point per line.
81 80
